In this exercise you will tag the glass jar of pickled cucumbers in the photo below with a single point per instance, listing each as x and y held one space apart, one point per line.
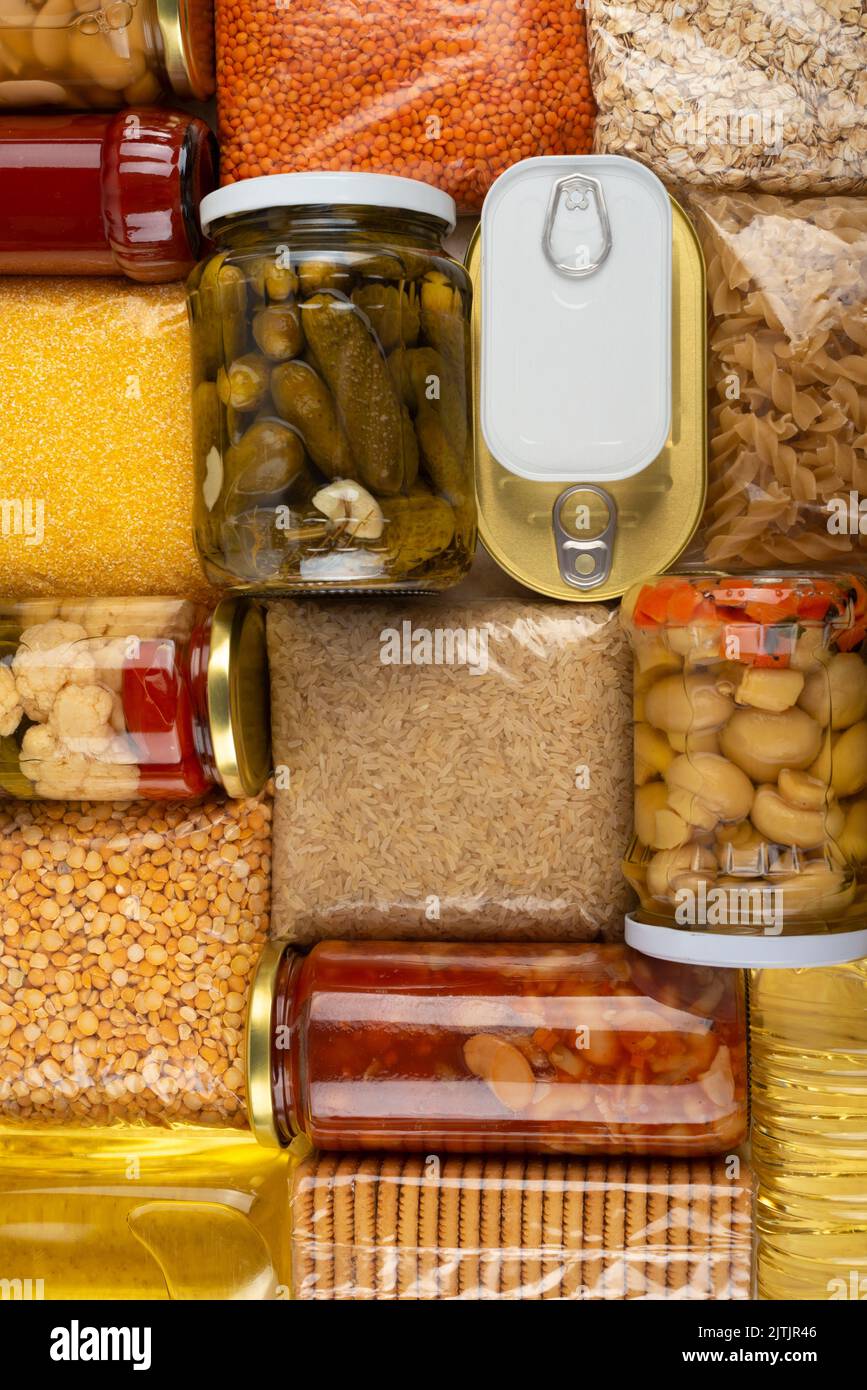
132 698
750 760
87 54
330 341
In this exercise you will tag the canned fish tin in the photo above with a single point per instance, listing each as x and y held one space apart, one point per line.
600 503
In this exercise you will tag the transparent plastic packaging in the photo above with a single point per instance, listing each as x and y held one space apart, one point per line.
449 94
96 447
808 1032
734 93
80 54
788 381
750 749
450 770
488 1228
196 1214
131 934
513 1049
331 390
110 699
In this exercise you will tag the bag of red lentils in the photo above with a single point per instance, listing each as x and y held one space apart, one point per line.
452 94
129 936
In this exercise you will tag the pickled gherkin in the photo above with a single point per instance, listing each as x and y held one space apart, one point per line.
272 279
353 365
218 316
277 330
442 316
393 314
417 527
242 385
333 402
268 459
302 399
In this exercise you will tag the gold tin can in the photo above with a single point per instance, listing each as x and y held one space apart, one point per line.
646 520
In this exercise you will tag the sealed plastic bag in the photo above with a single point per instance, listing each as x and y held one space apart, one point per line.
449 94
131 932
788 381
112 1214
485 1228
734 93
449 770
96 446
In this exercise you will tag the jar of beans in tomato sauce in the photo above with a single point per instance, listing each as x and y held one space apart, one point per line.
117 699
459 1047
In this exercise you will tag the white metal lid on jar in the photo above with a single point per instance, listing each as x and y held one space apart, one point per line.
791 950
327 189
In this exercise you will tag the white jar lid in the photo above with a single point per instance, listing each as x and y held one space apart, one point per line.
328 189
788 951
576 307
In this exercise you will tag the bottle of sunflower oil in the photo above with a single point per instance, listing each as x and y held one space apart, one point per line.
809 1088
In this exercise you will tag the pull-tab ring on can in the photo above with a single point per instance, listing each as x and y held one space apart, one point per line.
576 191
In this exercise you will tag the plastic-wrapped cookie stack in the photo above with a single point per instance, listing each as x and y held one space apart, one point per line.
482 1228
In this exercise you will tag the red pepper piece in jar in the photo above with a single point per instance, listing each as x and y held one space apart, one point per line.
159 718
764 646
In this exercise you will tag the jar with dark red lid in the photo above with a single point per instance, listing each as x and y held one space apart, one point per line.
112 194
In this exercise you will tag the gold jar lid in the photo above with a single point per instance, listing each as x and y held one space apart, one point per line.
239 705
187 32
260 1102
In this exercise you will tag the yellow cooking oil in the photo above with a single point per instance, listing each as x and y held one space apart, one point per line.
142 1213
809 1095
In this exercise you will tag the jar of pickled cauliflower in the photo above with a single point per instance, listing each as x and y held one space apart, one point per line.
83 53
116 699
750 740
330 343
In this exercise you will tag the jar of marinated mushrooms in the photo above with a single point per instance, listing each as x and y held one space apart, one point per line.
750 740
522 1048
331 406
117 699
81 54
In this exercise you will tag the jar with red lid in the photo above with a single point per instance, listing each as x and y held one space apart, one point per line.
457 1047
90 55
111 194
118 699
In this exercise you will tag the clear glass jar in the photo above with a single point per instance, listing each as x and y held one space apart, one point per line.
119 53
330 341
750 751
520 1048
116 699
112 194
